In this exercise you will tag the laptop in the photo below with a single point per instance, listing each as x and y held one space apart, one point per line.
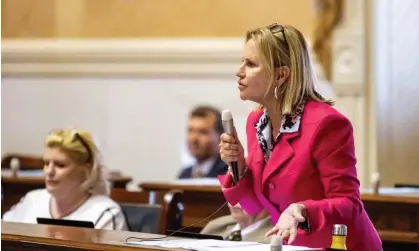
68 223
193 235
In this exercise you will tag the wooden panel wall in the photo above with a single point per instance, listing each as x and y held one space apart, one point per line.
145 18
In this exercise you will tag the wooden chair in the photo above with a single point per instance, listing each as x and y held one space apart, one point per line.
141 216
124 196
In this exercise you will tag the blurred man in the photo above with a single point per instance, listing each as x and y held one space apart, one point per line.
204 130
240 226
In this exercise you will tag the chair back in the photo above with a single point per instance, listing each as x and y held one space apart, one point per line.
142 217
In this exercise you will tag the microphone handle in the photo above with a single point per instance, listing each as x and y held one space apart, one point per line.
235 170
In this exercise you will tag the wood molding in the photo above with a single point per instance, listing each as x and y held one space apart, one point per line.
134 57
123 58
162 58
26 19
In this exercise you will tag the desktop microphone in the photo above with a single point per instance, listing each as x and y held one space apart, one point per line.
375 180
276 243
228 126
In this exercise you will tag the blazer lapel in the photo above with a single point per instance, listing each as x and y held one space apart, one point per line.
282 152
258 163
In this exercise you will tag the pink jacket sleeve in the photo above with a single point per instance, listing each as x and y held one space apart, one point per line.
334 154
242 192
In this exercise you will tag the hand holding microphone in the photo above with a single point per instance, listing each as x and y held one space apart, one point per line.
231 150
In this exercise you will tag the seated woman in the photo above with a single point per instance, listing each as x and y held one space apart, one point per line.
76 187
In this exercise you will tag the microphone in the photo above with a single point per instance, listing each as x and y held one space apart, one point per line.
228 126
276 243
375 180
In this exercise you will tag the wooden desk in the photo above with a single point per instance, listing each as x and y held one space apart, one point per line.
15 188
396 218
31 237
117 182
395 214
199 202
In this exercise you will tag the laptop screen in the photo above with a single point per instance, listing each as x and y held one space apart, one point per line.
69 223
193 235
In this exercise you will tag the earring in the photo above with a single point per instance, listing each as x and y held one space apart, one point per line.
276 92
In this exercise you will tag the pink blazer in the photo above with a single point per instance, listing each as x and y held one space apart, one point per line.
314 166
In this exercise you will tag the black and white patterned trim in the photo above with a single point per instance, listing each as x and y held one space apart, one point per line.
290 123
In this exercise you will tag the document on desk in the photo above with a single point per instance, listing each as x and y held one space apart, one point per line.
215 245
395 191
197 182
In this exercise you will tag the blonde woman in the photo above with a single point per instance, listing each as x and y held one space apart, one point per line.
76 186
301 157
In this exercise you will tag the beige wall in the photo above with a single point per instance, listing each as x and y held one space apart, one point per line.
396 75
146 18
136 109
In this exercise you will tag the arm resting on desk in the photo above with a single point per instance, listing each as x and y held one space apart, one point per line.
334 154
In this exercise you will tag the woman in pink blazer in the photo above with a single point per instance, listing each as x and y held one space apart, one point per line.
301 163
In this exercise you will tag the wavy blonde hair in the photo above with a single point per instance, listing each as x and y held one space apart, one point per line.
81 148
278 46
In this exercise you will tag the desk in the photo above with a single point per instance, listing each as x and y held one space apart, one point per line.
14 188
396 217
31 237
199 201
394 213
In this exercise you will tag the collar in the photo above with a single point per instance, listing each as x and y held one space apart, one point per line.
267 139
290 122
205 166
251 228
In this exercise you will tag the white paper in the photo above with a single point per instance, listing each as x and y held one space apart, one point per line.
215 245
197 182
398 191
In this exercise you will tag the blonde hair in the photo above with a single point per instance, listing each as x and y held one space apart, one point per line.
285 46
81 148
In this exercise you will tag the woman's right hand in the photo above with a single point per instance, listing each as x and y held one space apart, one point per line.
231 150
